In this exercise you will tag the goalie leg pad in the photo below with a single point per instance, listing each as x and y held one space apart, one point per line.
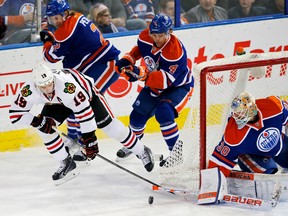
213 186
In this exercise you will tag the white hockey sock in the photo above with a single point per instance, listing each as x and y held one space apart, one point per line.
123 134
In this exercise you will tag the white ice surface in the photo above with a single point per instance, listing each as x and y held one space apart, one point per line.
26 189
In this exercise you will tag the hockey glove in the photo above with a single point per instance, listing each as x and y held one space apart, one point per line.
134 73
46 35
91 145
121 64
44 124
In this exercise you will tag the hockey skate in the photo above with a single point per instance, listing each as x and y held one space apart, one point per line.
147 159
175 156
79 155
65 171
124 154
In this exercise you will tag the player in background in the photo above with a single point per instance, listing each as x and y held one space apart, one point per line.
65 92
3 27
253 137
78 43
168 81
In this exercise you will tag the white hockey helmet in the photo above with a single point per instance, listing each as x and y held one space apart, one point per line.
42 75
243 109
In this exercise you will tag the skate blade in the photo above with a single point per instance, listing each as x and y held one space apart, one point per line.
157 157
71 175
129 157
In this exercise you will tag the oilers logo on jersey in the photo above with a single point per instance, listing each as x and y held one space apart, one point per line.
268 139
150 63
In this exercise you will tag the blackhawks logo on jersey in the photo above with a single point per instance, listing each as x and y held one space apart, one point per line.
25 92
69 88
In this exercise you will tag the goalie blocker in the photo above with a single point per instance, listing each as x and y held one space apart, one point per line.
240 189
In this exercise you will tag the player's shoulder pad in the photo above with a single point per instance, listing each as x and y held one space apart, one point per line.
173 50
232 135
269 106
67 28
145 37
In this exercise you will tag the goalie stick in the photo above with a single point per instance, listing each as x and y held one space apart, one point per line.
155 186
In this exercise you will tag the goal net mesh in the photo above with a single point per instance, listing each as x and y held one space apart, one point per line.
217 82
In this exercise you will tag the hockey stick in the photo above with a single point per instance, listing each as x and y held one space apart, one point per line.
155 186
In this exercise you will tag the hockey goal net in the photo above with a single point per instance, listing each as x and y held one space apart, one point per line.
217 82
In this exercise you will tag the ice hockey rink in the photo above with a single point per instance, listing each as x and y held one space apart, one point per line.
26 188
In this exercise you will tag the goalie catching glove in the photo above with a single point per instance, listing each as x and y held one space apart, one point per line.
91 144
44 124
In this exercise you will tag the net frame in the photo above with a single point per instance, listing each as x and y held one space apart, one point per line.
237 62
194 132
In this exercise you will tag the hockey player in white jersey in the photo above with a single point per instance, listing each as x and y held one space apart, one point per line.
65 92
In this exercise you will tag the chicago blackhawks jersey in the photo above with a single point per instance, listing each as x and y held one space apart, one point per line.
72 89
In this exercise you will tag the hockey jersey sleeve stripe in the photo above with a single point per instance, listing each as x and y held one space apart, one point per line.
223 159
102 80
48 53
22 117
86 114
226 171
185 100
94 56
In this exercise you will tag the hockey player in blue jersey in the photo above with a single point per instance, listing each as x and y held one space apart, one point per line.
168 81
78 43
253 136
253 139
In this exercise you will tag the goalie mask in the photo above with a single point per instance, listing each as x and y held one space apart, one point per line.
243 109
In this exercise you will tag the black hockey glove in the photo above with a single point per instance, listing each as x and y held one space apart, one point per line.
44 124
46 35
91 144
121 64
